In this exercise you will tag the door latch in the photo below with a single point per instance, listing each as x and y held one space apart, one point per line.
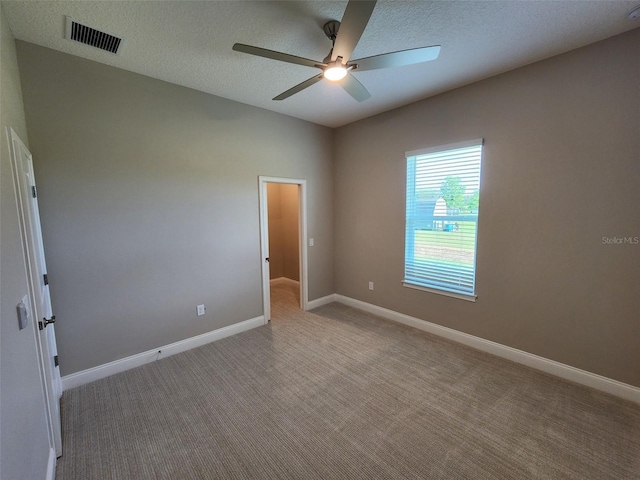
42 325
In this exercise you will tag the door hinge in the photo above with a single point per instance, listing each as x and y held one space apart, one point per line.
46 279
34 192
55 361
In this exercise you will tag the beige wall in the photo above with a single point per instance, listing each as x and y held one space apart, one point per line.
290 230
284 256
24 448
149 203
276 244
561 170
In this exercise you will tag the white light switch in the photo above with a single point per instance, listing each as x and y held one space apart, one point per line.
201 309
370 285
23 313
312 242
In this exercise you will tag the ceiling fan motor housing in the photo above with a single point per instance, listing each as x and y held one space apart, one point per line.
331 29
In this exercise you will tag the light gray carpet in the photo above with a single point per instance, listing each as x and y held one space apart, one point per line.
338 393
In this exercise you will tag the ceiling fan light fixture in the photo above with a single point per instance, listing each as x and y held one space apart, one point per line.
335 71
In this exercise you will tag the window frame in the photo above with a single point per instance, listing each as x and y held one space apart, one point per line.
410 190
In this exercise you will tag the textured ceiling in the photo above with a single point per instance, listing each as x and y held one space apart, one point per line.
189 43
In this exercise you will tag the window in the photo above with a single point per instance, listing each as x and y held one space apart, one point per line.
443 193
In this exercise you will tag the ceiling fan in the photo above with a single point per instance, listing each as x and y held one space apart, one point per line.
337 66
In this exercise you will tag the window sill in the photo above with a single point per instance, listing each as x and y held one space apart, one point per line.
459 296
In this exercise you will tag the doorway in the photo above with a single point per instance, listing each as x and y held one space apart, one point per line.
283 234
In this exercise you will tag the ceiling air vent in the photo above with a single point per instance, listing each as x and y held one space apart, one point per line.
92 37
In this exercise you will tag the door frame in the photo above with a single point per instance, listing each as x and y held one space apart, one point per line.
264 240
32 249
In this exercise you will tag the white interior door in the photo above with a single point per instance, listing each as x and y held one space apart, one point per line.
38 283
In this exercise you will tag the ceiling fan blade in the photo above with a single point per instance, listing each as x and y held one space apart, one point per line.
282 57
354 21
398 59
355 88
299 87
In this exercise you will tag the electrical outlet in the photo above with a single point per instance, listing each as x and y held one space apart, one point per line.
370 285
201 309
312 242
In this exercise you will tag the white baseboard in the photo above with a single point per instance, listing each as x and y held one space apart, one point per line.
284 280
318 302
51 465
604 384
117 366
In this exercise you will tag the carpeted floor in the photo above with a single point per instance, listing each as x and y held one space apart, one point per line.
338 393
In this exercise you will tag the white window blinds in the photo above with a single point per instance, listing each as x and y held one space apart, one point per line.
443 192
